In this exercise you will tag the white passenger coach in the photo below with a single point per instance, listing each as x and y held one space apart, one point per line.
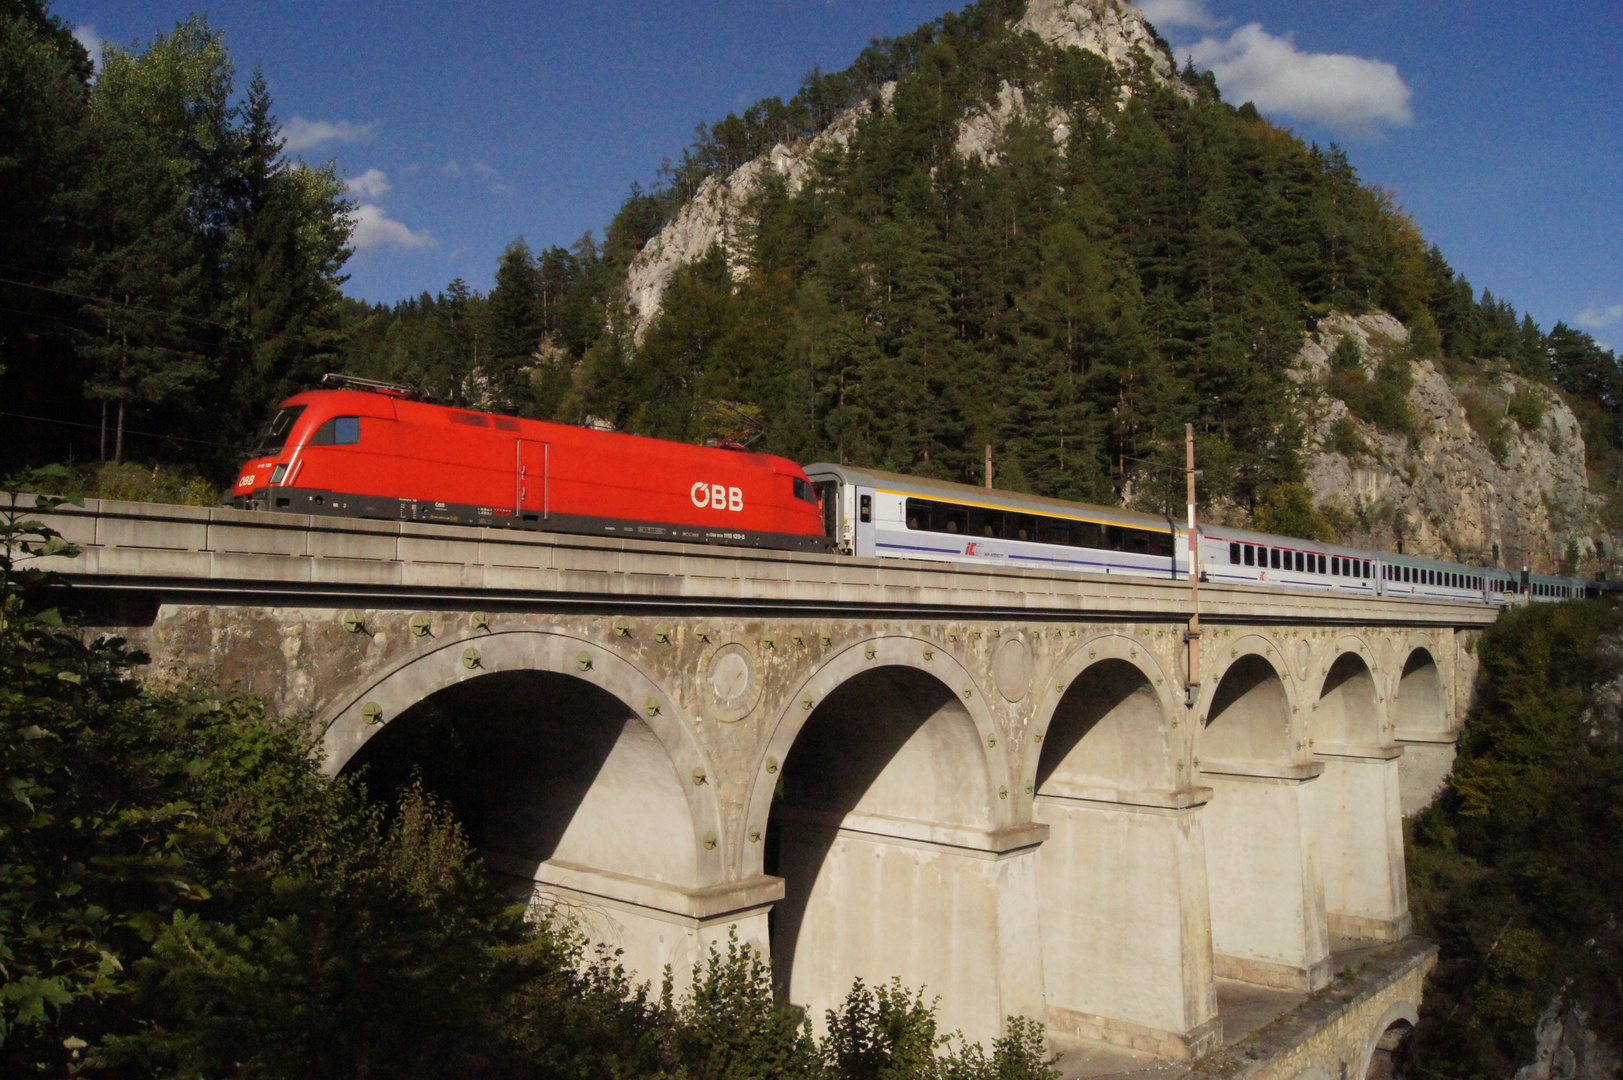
878 514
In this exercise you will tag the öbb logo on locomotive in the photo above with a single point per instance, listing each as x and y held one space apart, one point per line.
717 496
373 450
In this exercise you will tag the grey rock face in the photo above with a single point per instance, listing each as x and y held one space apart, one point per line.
1568 1049
1449 491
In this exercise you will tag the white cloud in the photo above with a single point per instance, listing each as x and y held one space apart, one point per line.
490 175
371 184
1596 318
92 42
1348 93
1164 13
498 183
302 134
375 230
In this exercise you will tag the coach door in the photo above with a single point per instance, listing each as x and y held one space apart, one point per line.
532 480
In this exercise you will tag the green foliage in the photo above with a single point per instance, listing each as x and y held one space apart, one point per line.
1527 407
173 266
135 483
1487 419
1289 511
1348 357
1345 439
1382 400
1514 870
1569 560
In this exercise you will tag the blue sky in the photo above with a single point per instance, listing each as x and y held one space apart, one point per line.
1499 126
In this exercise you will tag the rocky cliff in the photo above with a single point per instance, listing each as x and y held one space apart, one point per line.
719 212
1467 481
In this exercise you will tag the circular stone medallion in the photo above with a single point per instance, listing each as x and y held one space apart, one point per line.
731 682
1011 669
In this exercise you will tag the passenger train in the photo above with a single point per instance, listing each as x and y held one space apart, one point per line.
376 450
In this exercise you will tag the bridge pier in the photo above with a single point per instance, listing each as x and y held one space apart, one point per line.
1126 848
1360 825
1366 893
950 911
1262 829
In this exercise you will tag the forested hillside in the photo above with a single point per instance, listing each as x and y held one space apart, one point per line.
163 268
1128 254
972 235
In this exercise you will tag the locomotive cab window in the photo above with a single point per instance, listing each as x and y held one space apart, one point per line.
273 436
803 491
339 431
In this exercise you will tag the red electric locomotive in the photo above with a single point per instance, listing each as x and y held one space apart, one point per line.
377 452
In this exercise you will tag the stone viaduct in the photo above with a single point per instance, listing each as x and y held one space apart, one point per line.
981 781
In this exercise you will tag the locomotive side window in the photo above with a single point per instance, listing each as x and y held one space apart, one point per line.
339 431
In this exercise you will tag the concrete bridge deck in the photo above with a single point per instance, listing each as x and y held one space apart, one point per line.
176 551
982 780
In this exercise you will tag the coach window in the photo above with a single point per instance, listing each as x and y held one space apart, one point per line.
1250 555
1234 554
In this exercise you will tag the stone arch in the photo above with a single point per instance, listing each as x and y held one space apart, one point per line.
886 832
840 669
577 742
1418 703
1101 722
1249 714
1347 712
1383 1052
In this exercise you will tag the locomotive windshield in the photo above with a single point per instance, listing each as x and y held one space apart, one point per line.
273 436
